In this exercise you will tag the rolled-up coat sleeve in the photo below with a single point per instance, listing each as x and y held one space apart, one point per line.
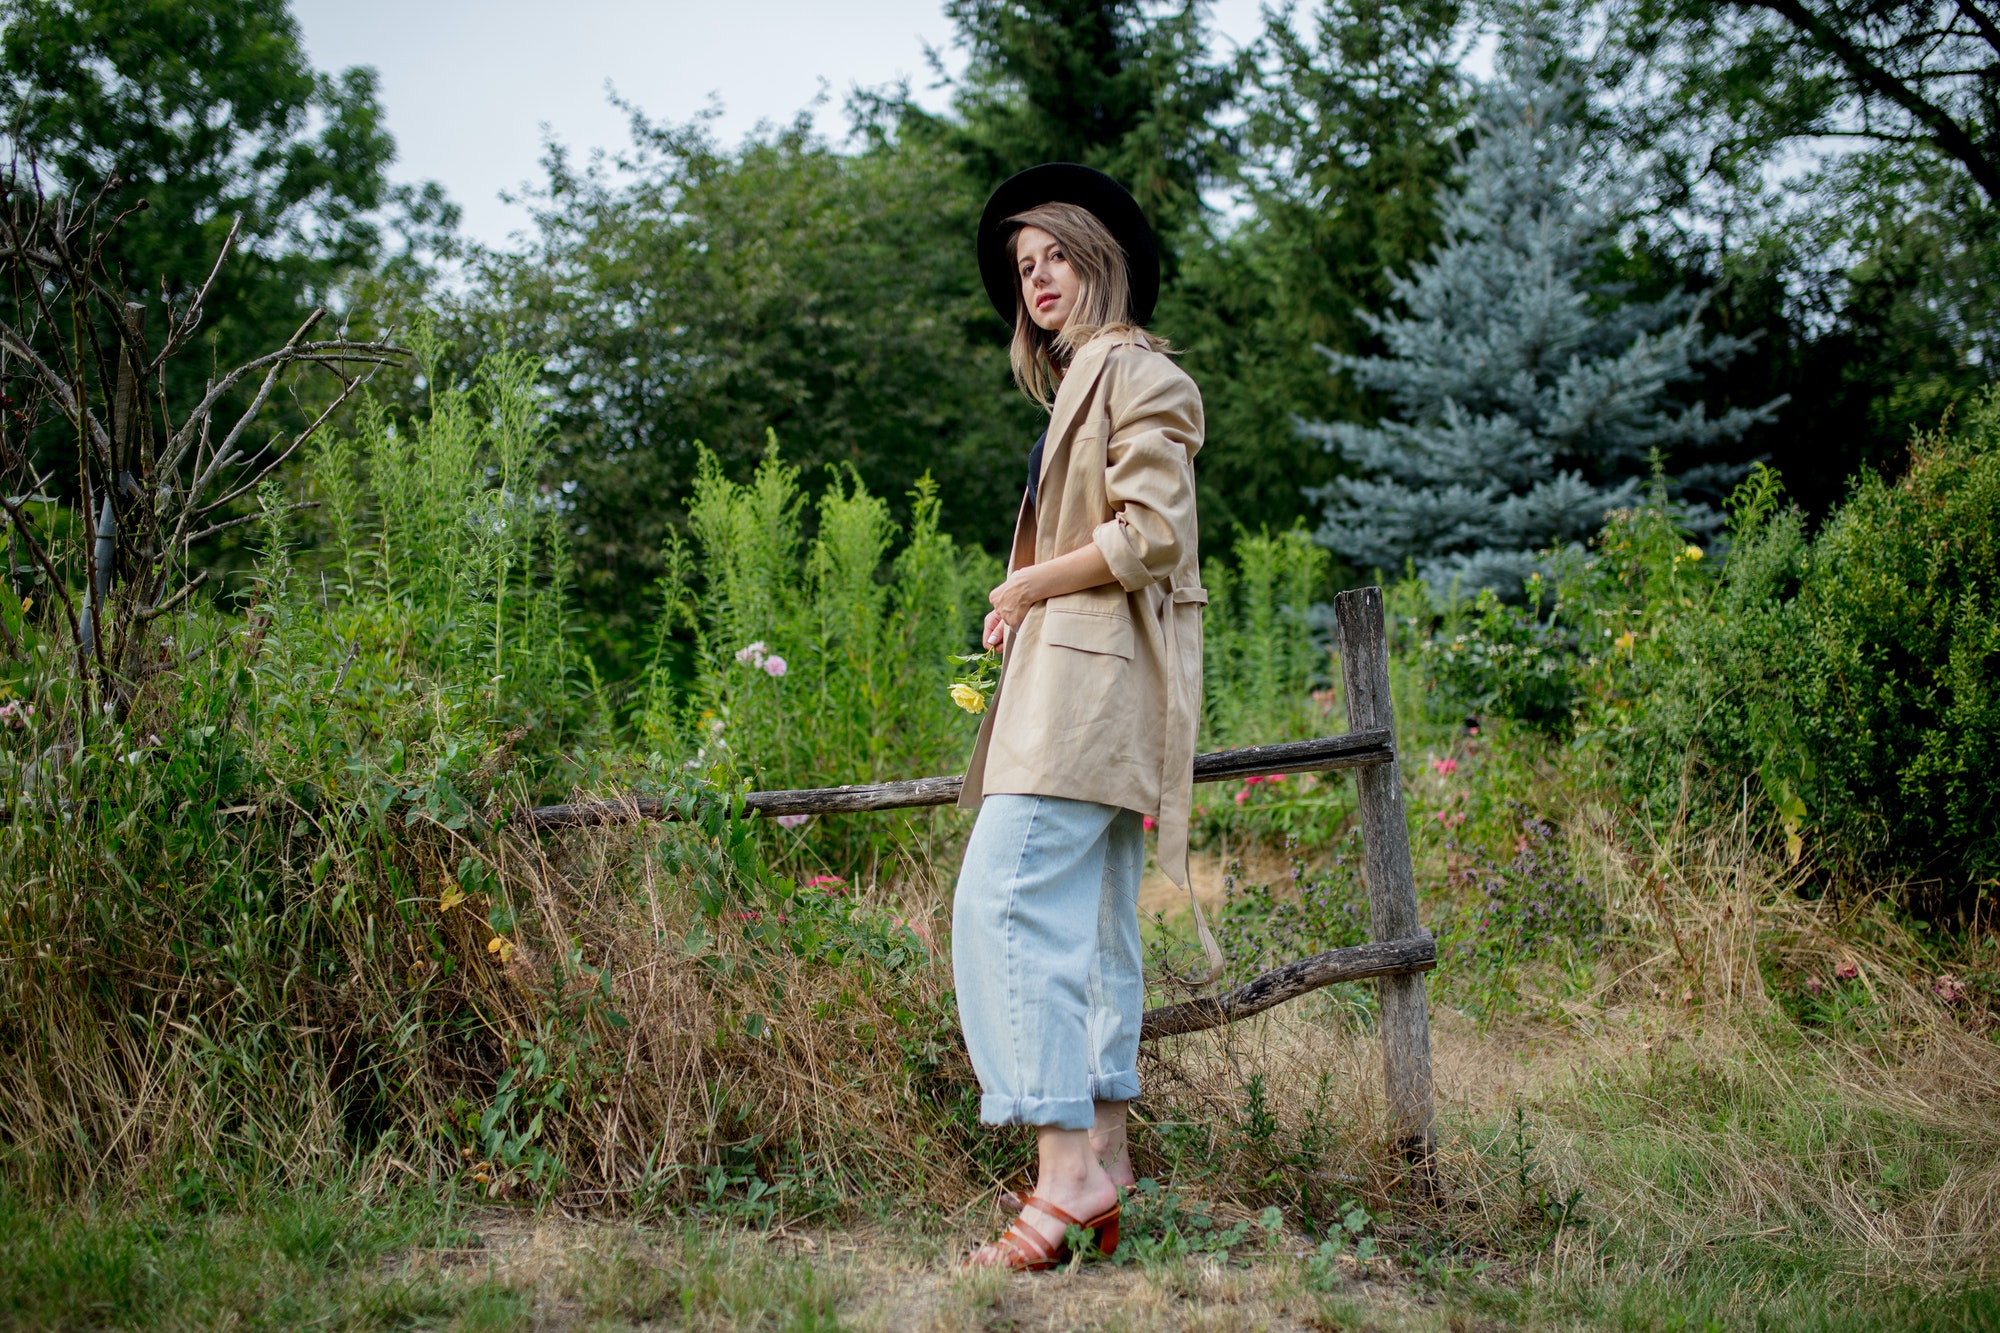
1149 468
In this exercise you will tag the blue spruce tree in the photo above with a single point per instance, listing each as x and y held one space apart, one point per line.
1529 398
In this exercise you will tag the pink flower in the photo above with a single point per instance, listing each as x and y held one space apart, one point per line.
792 821
1242 795
774 667
752 654
1949 988
1150 822
746 916
1815 985
824 881
1847 971
1447 767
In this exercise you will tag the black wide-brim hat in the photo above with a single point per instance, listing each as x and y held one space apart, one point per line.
1090 190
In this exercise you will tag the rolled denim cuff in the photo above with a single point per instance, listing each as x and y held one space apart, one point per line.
1055 1112
1114 1087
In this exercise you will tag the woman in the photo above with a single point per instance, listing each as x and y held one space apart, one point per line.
1092 725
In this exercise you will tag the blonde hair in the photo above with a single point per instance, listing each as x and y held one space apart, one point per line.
1103 299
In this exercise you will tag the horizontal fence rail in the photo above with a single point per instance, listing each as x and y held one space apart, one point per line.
1270 989
1353 750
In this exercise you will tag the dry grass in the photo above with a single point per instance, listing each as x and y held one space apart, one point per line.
1667 1094
741 1047
1662 1117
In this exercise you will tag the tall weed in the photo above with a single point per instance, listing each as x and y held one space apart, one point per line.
240 918
1262 657
816 660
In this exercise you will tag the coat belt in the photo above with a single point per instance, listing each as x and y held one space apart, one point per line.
1184 601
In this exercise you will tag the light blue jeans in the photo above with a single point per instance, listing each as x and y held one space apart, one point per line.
1045 957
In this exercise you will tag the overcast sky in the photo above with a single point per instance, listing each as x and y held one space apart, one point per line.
469 85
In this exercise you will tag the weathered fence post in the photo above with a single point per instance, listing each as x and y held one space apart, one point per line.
1392 880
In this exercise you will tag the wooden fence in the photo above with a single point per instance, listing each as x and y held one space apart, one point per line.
1399 950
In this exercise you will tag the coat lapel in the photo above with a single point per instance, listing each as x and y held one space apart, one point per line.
1077 383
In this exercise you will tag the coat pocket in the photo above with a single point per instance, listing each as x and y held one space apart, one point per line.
1088 631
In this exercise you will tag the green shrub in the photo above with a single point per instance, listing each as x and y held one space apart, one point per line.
1566 654
1851 680
239 903
1845 685
1498 658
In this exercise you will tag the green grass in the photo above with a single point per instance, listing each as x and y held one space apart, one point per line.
337 1260
322 1259
333 1259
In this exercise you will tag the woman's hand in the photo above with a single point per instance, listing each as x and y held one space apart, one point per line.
1013 599
995 634
1082 568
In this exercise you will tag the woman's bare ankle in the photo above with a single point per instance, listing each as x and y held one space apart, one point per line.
1115 1158
1072 1179
1108 1143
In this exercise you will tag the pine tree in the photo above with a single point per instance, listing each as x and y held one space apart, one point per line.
1348 121
1125 86
1530 393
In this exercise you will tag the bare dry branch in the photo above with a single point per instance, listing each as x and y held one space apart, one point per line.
186 591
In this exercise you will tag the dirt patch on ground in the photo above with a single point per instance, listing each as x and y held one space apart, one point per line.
1159 894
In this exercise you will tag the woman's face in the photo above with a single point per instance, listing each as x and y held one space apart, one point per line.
1048 284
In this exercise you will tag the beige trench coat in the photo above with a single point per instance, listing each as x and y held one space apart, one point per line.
1100 691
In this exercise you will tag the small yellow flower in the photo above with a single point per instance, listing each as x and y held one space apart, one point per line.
968 698
1625 641
1690 553
502 947
450 898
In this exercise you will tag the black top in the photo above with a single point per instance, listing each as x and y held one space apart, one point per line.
1035 467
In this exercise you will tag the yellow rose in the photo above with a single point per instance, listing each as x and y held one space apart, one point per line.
971 700
1690 553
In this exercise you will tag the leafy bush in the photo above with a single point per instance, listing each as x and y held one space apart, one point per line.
1497 658
1854 678
824 661
282 856
1848 681
1564 655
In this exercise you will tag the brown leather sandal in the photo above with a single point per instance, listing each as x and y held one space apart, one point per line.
1028 1251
